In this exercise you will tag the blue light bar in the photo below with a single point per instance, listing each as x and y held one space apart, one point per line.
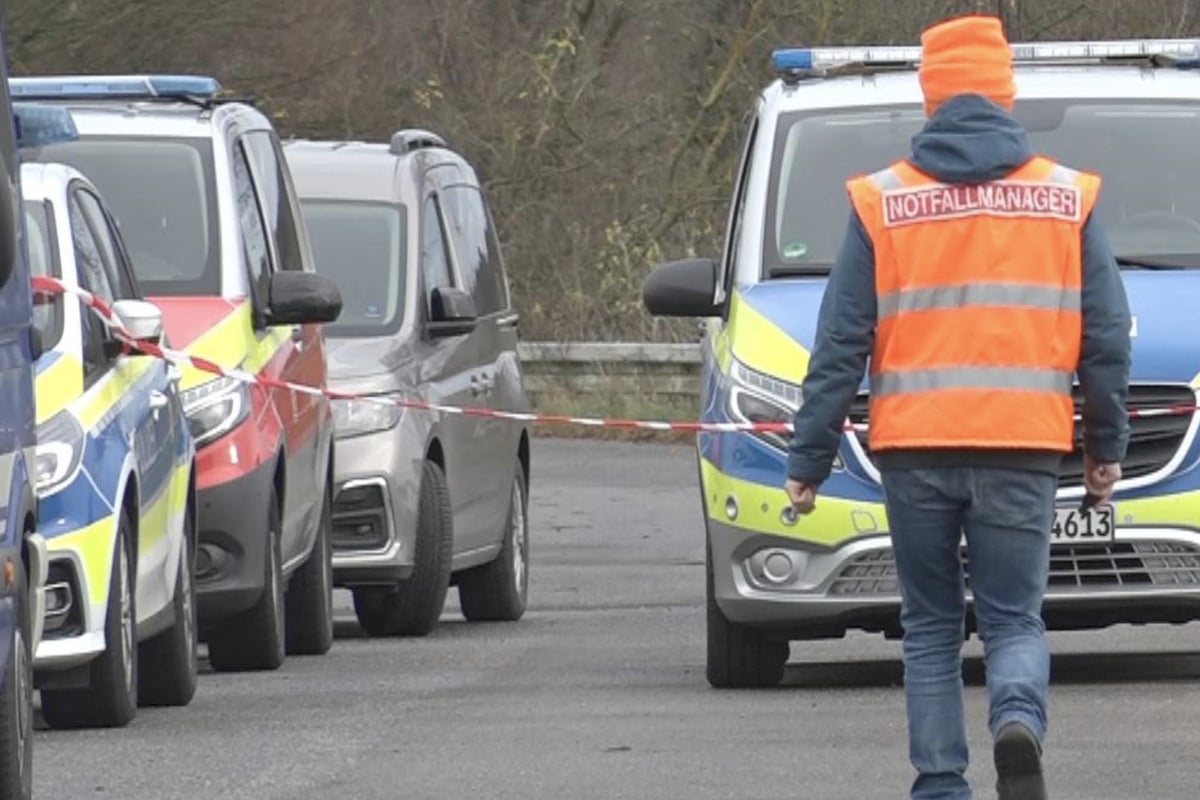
101 86
39 125
795 62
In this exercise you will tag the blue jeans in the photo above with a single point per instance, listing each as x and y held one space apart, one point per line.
1006 516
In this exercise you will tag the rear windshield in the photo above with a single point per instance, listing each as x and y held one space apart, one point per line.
361 247
162 194
1144 152
43 260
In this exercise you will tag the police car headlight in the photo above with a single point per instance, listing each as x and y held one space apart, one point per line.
760 398
215 408
360 417
60 442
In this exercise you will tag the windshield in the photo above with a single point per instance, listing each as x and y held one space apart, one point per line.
161 192
43 260
360 246
1143 151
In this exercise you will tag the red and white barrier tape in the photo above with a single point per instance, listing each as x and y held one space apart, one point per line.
44 285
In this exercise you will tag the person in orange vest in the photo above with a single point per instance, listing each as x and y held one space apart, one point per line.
978 283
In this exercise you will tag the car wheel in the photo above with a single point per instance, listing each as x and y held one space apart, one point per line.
739 657
168 665
499 590
310 593
254 639
110 700
16 703
413 607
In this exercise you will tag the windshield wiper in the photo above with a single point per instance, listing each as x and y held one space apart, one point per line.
1164 261
799 270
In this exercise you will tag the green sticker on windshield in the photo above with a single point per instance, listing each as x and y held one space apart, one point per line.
795 250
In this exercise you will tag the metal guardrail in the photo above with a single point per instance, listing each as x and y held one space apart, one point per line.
643 370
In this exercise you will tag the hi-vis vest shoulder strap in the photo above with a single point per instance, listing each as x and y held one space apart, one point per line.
978 290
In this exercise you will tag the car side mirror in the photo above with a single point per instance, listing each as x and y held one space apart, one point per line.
682 289
452 312
301 298
143 320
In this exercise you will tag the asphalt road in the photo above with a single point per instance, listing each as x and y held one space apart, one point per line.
600 693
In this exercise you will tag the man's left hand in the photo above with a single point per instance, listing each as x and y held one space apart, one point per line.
803 495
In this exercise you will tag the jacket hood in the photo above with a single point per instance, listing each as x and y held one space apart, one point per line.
970 139
775 325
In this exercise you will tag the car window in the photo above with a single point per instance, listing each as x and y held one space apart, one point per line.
476 261
94 278
43 260
435 265
250 221
1150 207
276 193
162 193
110 254
361 246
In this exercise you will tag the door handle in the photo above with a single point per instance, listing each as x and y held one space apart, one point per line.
159 400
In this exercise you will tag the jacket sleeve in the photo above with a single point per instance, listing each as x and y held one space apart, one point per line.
845 336
1106 349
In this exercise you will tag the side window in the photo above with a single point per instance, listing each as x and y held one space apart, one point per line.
496 258
107 244
277 204
435 266
469 227
254 235
733 236
93 277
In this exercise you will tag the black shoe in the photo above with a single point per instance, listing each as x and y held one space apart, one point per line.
1018 757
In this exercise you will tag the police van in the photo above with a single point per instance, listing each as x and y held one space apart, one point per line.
1128 110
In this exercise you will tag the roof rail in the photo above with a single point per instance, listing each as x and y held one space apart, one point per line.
794 64
411 139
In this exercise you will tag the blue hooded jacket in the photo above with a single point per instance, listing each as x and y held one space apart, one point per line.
969 139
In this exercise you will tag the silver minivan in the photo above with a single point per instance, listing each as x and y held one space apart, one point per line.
423 499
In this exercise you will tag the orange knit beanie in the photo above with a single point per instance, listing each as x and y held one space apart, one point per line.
966 55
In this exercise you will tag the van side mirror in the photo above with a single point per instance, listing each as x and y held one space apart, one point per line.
301 298
143 320
682 289
452 312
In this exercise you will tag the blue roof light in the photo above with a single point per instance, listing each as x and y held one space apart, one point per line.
792 58
39 125
100 86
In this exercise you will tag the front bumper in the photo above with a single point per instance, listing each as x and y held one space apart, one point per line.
376 493
74 600
1149 574
231 556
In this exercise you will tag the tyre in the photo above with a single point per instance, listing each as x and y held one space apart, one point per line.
168 665
254 639
739 657
498 591
111 698
309 608
412 607
16 703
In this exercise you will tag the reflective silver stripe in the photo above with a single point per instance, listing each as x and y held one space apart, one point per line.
1064 175
886 179
993 294
927 380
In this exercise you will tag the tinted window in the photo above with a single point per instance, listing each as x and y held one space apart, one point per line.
1150 201
43 260
92 269
162 194
107 245
275 192
470 226
435 267
361 246
250 221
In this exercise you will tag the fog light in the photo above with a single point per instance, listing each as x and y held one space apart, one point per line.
777 567
774 567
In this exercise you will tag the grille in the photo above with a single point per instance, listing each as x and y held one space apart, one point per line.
1150 564
360 520
1153 441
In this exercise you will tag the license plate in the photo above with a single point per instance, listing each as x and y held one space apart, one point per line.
1097 525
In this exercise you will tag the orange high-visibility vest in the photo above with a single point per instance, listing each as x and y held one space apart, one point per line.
979 314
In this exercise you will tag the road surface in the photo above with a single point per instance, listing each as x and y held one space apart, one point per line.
600 692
